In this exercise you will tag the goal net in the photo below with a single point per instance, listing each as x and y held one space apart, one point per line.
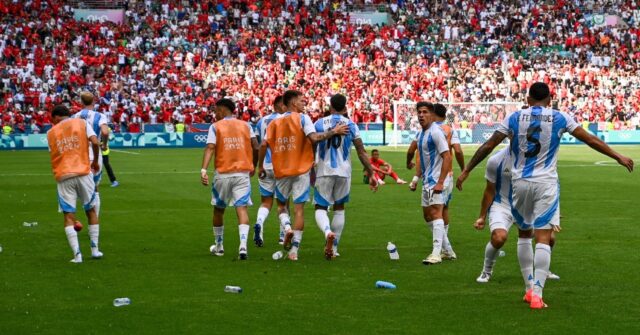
474 122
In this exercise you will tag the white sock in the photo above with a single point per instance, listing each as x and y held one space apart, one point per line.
438 236
337 225
490 254
72 237
262 216
244 232
94 233
525 258
542 261
97 204
285 221
297 238
218 234
322 220
446 245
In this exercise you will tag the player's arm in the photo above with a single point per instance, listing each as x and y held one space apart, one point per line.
366 163
209 151
485 149
457 149
413 185
444 171
262 153
95 147
411 153
255 150
601 147
341 129
104 136
487 200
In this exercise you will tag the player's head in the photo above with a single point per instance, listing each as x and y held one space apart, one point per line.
294 101
338 104
278 105
59 113
439 112
424 110
375 154
224 108
539 95
87 99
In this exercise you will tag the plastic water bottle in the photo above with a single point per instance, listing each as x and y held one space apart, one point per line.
233 289
385 284
393 251
501 253
30 224
0 248
277 255
121 302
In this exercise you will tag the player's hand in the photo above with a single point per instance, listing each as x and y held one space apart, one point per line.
463 176
438 188
556 228
341 129
95 166
204 178
411 165
479 224
373 183
104 146
262 173
413 185
626 162
252 173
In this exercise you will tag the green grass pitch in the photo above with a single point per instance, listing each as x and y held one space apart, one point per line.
156 233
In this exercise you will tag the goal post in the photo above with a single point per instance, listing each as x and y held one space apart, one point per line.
473 121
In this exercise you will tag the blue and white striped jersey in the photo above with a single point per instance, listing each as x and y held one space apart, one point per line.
431 144
262 125
498 173
94 120
536 138
333 156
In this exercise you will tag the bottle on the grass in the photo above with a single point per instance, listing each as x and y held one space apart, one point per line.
393 251
233 289
121 302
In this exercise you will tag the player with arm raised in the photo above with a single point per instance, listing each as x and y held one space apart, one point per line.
434 165
69 143
291 139
268 183
98 123
536 133
234 145
333 173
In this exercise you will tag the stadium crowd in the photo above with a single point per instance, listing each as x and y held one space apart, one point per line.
173 59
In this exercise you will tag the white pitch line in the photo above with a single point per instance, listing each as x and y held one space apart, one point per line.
125 152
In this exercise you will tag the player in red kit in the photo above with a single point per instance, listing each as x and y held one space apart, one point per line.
382 169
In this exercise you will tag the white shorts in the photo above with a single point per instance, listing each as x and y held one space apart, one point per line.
430 198
232 191
268 184
500 217
535 205
296 187
69 190
331 190
447 191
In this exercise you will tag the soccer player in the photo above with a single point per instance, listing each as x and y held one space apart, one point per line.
268 183
435 163
69 142
536 133
233 143
98 123
382 169
290 138
495 204
333 173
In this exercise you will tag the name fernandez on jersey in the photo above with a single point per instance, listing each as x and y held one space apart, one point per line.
539 117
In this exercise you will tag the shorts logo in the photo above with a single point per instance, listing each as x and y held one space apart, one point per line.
200 138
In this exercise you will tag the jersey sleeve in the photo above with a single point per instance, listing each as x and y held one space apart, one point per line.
571 123
491 172
211 136
318 126
260 135
252 133
504 126
103 119
455 139
307 125
441 141
353 130
90 131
